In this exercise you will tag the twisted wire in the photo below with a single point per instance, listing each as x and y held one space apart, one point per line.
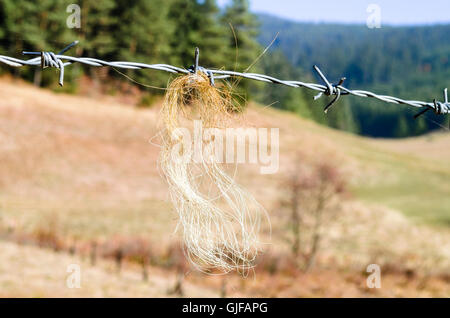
60 61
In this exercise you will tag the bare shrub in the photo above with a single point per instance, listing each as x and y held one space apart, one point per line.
138 250
175 259
314 195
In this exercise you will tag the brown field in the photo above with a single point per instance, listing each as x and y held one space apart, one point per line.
79 174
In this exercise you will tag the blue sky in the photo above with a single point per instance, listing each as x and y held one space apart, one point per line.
393 12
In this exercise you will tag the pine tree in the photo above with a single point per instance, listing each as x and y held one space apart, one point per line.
242 46
402 129
420 126
97 28
213 37
197 25
34 26
96 34
142 33
340 116
243 34
14 23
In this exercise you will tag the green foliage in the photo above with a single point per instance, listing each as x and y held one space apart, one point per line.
401 129
407 62
243 49
299 100
241 38
135 39
21 28
157 31
98 26
197 26
146 100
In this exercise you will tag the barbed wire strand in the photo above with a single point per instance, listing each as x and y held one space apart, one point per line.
60 61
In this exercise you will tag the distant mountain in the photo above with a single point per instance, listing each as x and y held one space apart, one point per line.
408 62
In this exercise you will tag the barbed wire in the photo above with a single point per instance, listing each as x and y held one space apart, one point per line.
60 61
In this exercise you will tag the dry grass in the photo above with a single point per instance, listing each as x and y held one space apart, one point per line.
87 167
27 271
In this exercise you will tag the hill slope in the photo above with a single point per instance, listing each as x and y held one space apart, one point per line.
84 169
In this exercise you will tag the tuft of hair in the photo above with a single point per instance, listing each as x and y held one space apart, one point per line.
218 218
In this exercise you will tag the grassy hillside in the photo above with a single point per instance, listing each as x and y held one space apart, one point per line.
77 170
27 271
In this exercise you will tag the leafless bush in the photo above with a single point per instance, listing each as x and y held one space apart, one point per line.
278 262
175 258
314 197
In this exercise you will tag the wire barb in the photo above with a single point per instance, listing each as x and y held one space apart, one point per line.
48 59
197 56
195 68
439 108
331 89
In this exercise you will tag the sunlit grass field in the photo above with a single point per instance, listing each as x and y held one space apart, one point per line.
84 169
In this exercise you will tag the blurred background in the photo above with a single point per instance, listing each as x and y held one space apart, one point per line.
363 184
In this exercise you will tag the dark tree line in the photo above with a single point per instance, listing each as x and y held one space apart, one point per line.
156 31
408 62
